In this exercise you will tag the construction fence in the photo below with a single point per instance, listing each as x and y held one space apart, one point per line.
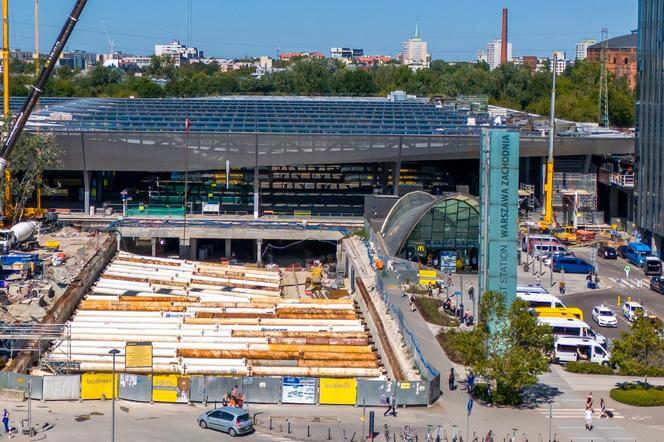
430 386
175 388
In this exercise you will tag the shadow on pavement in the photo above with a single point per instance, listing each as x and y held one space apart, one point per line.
539 395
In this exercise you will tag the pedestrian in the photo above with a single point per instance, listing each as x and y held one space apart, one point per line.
589 419
389 406
412 303
589 401
450 380
589 277
596 280
561 287
602 408
471 293
470 381
393 402
5 421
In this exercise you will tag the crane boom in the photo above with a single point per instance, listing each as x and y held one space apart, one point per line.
548 220
37 89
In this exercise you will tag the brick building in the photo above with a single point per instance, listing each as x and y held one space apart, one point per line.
621 56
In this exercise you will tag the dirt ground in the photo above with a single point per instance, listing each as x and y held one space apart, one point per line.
30 298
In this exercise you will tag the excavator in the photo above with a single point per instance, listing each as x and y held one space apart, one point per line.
36 90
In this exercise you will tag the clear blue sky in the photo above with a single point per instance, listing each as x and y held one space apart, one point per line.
455 29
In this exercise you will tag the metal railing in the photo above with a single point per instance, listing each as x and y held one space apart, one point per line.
622 179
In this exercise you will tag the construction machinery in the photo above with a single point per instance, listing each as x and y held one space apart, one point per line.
19 236
37 89
566 234
548 221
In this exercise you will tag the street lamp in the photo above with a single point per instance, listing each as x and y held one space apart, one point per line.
113 353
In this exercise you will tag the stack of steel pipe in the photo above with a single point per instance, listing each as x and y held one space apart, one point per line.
206 318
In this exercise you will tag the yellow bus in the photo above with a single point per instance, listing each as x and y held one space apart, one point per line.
565 312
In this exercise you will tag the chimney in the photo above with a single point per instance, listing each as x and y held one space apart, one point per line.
503 39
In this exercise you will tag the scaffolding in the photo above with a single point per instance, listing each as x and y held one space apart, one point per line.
21 337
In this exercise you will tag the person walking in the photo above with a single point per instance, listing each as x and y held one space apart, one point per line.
5 421
589 401
471 293
450 380
393 403
389 406
589 419
561 287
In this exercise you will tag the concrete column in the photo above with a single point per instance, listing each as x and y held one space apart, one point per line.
86 192
259 252
184 252
227 247
153 242
396 175
193 248
256 190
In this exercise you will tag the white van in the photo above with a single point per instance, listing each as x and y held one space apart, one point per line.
547 249
567 349
572 327
528 240
531 289
536 300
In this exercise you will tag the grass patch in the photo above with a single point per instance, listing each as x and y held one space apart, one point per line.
362 233
446 341
588 368
428 308
639 395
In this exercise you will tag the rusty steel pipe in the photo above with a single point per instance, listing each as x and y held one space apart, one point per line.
336 364
295 334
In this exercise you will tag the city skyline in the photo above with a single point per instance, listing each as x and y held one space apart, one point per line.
300 27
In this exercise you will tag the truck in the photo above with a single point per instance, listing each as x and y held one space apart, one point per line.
566 234
20 236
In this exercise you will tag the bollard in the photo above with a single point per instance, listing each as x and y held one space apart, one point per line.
343 432
629 299
289 428
618 300
270 422
352 439
308 431
329 434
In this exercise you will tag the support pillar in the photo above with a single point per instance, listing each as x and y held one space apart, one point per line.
259 252
86 192
256 190
396 176
193 248
153 242
227 247
184 252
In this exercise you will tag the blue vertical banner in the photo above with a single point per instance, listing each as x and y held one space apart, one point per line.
499 210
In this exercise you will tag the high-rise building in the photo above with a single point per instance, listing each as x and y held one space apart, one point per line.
177 51
493 53
650 122
582 48
415 52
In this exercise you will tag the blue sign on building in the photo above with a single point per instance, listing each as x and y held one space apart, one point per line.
499 207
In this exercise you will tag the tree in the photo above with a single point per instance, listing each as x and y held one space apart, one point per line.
640 350
32 155
508 346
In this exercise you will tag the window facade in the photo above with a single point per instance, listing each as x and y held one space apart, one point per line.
650 120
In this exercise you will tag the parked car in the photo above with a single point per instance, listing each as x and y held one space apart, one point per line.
657 284
632 309
652 266
571 264
621 251
548 259
607 252
604 316
232 420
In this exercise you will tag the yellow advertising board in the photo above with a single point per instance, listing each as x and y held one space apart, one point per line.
170 388
338 391
138 355
98 385
428 277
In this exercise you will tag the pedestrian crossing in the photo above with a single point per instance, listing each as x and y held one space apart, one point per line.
632 283
575 413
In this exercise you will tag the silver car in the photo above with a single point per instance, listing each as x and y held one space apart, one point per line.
232 420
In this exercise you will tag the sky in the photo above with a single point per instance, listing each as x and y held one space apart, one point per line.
454 29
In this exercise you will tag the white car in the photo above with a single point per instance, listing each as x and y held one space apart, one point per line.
631 309
604 317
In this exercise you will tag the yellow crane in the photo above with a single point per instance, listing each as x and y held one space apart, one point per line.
548 220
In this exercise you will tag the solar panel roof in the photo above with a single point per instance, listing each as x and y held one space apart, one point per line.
298 115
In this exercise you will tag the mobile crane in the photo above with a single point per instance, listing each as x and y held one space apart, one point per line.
37 89
548 221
